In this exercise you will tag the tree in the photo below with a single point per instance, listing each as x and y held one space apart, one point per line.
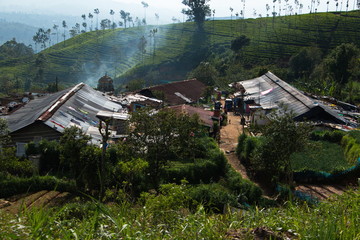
4 133
112 15
105 24
205 73
153 36
238 43
91 20
162 137
145 5
72 142
96 11
124 16
340 64
303 63
197 11
282 136
64 25
142 47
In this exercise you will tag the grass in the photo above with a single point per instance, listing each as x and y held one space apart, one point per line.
93 54
321 156
336 218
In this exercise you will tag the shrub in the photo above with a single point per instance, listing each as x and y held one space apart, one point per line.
50 155
31 148
330 136
213 196
16 185
240 145
245 190
10 164
351 148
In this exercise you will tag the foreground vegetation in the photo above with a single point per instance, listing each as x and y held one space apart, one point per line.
166 216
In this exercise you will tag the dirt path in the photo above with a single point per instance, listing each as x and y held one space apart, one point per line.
39 199
228 140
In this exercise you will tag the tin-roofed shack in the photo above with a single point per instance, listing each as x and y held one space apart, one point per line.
176 93
270 93
47 117
105 84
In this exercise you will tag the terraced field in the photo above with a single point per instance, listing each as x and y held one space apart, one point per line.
178 48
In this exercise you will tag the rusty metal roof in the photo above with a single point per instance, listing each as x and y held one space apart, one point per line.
176 93
204 115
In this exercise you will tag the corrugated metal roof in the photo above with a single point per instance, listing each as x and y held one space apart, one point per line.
204 115
77 106
178 92
31 111
273 93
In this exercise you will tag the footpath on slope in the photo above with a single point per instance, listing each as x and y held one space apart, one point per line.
228 141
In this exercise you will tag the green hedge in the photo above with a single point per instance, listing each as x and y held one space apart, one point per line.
213 196
15 185
329 136
351 147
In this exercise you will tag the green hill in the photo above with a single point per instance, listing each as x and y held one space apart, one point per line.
179 48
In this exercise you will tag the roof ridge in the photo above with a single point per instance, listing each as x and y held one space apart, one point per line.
61 100
186 80
282 87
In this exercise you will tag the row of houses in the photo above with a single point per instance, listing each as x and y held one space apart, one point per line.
84 107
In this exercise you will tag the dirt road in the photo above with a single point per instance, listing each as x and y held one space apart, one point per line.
228 140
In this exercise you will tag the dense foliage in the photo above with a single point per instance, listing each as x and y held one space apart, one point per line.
167 216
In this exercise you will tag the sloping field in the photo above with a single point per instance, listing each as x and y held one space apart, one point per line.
181 47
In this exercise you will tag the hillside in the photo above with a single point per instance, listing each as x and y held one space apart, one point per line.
21 32
179 48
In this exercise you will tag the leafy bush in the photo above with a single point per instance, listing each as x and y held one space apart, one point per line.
10 164
50 155
240 145
166 205
330 136
245 190
16 185
351 148
213 196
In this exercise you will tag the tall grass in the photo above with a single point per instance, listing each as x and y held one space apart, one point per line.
337 218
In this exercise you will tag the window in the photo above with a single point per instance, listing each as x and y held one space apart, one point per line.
20 149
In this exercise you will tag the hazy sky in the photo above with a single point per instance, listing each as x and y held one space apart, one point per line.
165 8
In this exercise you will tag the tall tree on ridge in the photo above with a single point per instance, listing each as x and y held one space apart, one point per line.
197 11
112 15
91 20
56 27
64 25
96 11
145 5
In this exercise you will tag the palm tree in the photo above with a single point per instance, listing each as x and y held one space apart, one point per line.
145 5
91 19
96 11
55 27
157 18
124 15
84 23
64 25
112 14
